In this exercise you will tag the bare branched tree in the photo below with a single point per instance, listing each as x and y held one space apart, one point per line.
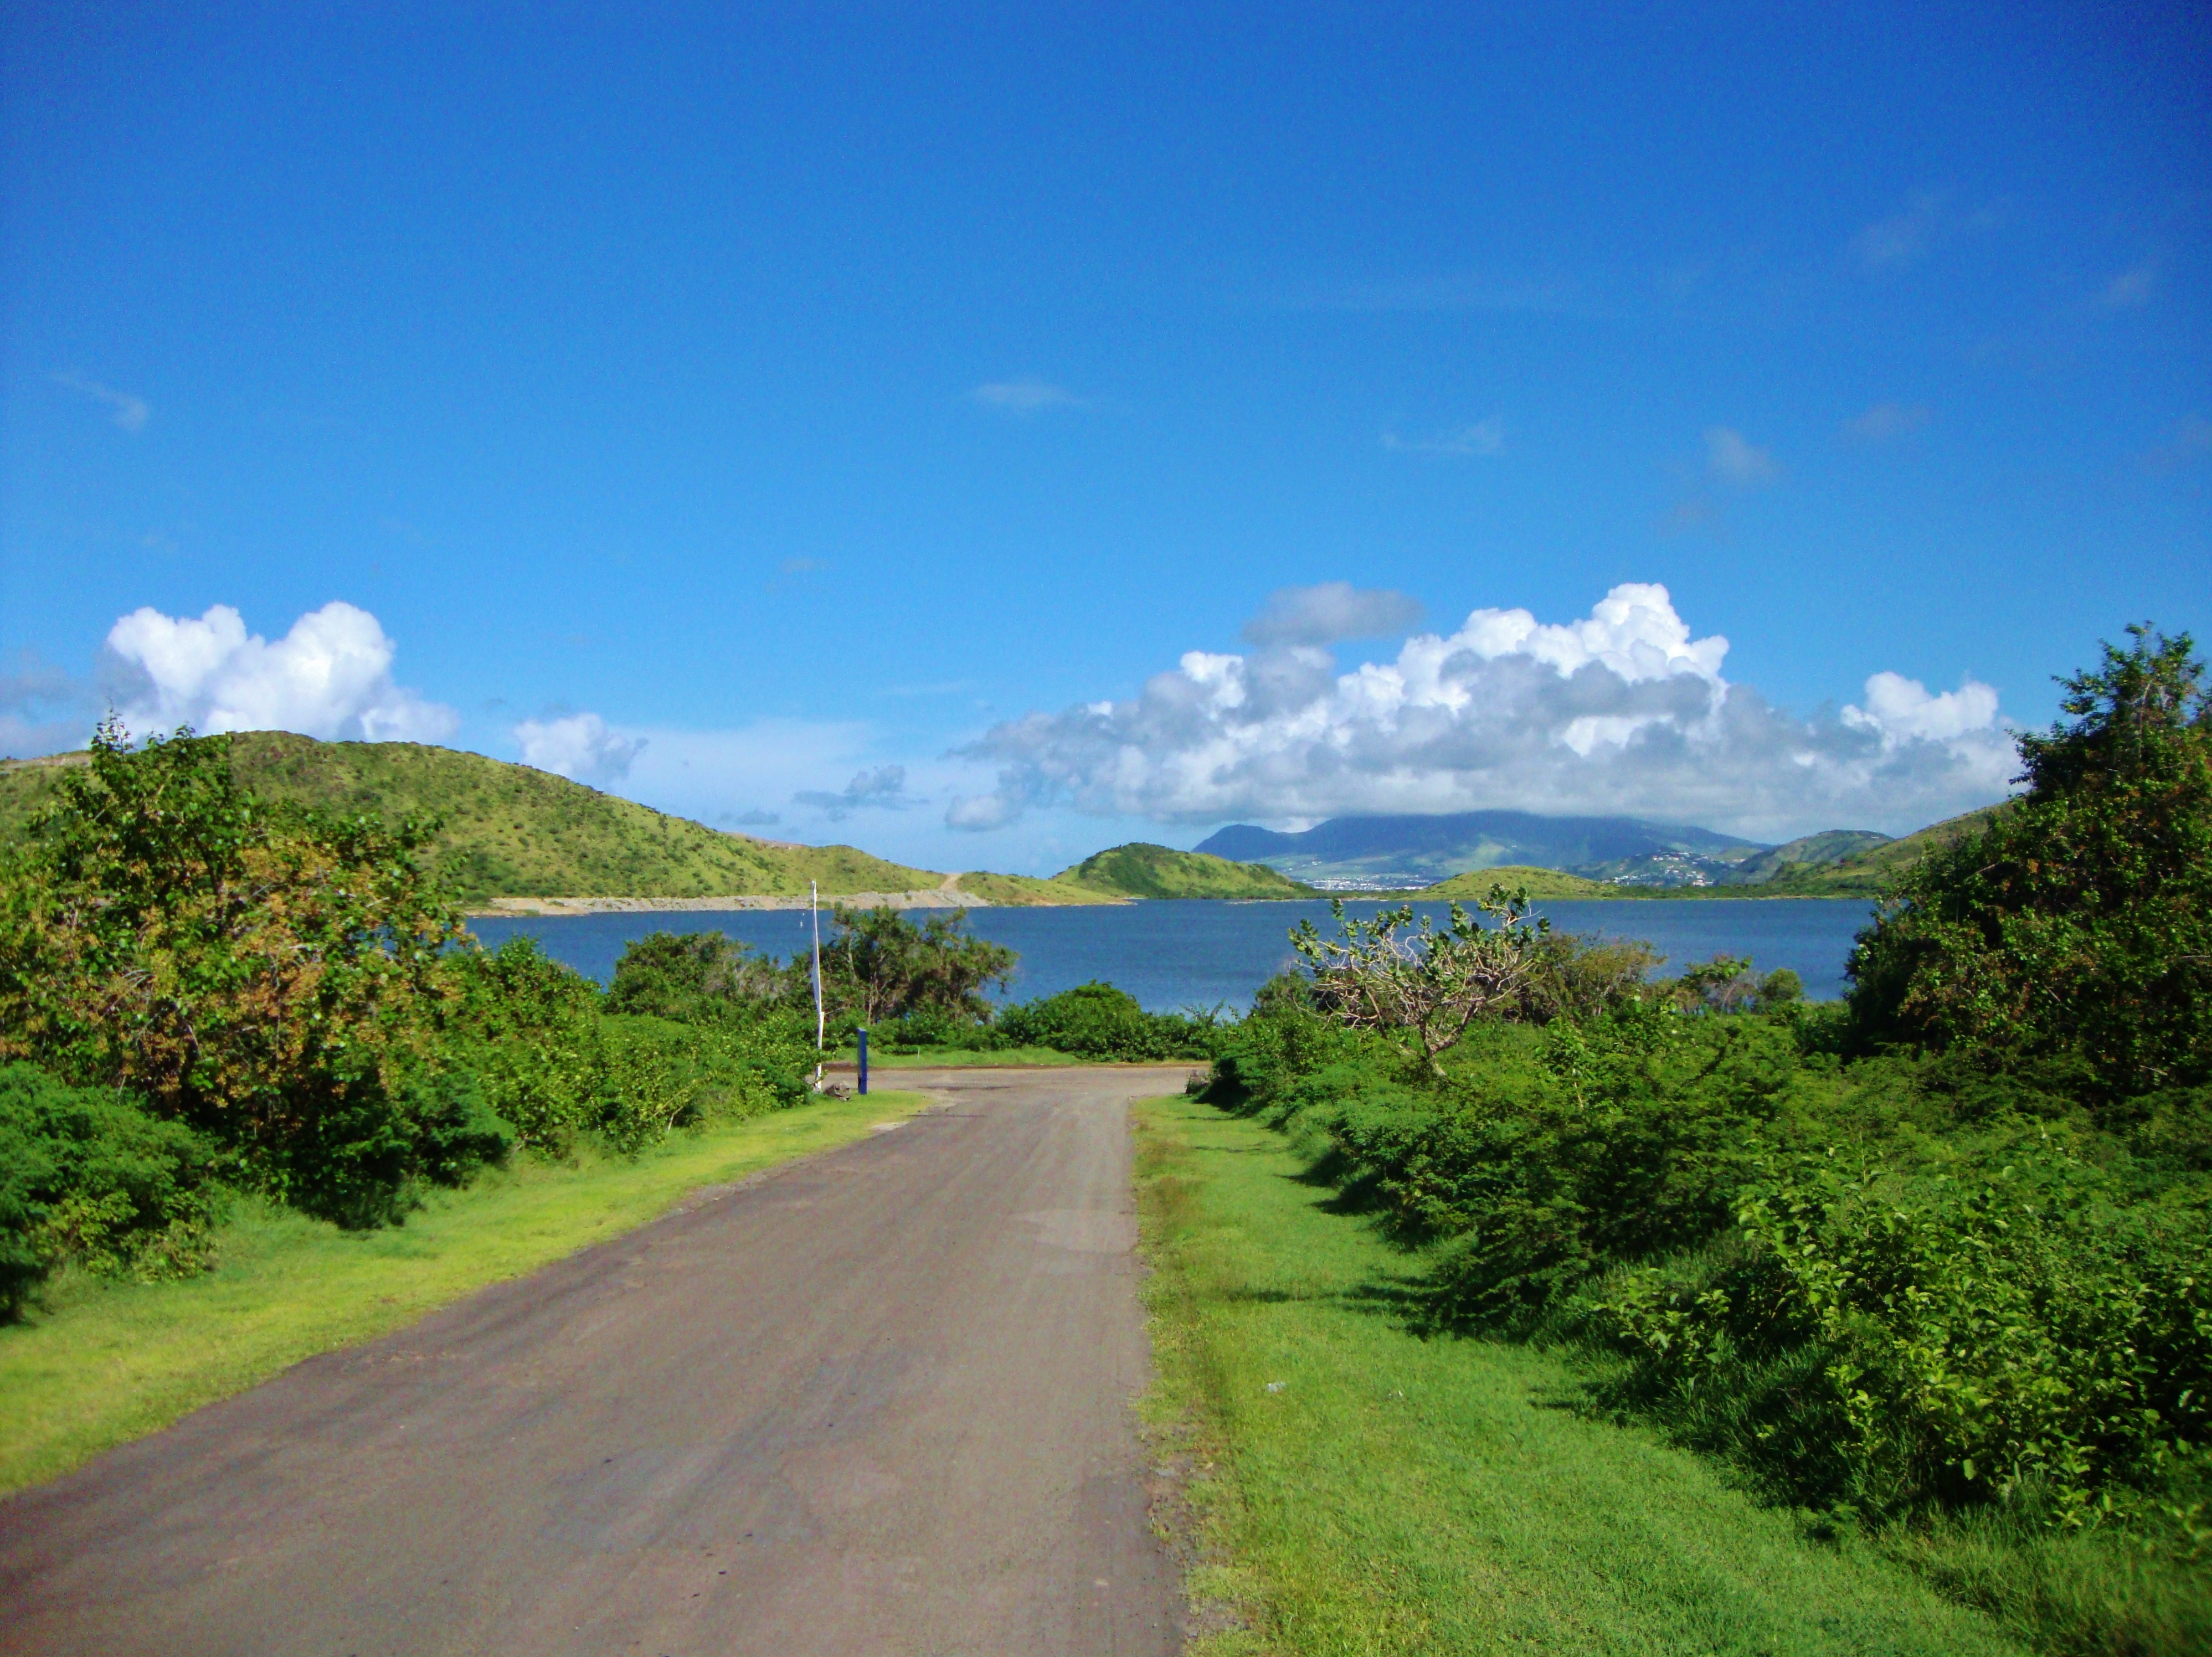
1420 987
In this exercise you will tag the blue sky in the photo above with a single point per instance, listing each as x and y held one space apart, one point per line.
855 416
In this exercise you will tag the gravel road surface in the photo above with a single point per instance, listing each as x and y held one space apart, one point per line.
878 1402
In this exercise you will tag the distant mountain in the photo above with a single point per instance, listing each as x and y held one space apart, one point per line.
1396 852
1141 870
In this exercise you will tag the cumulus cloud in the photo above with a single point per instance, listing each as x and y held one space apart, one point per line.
1334 609
1731 457
1025 395
885 786
1484 437
1903 710
1622 711
582 746
330 676
131 413
1884 421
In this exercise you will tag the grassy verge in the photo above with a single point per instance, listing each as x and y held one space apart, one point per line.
1367 1490
101 1364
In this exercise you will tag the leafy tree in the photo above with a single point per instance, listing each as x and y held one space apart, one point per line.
880 965
1421 989
696 978
2078 925
1097 1021
262 974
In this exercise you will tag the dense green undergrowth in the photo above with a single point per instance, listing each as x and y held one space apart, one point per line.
1933 1267
1357 1486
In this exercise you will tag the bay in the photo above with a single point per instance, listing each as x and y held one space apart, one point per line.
1173 954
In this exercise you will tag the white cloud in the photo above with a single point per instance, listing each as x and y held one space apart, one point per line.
1334 609
579 746
1885 420
1622 711
1732 459
1484 437
131 413
1901 710
330 676
1025 395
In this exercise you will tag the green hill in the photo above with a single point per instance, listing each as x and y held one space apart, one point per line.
1538 882
511 831
1801 856
1861 874
1021 891
1141 870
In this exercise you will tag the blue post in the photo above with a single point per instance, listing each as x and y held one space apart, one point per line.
864 1064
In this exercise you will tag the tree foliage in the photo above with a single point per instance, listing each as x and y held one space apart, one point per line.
879 965
1420 988
2078 924
262 974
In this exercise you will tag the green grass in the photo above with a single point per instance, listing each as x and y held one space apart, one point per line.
1443 1495
1142 870
101 1364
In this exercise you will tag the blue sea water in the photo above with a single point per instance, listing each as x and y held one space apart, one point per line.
1172 955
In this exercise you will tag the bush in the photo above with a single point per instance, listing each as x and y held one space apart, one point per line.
696 978
1097 1021
2079 920
258 973
534 1044
85 1175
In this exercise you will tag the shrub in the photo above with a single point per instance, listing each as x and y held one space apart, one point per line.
260 974
878 965
2080 919
86 1175
1097 1021
695 978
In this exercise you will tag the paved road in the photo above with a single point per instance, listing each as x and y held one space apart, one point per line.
880 1403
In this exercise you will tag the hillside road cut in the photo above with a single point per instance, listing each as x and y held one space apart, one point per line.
879 1402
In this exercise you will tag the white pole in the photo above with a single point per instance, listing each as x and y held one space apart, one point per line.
814 904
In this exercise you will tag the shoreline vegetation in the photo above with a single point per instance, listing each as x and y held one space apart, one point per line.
508 840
